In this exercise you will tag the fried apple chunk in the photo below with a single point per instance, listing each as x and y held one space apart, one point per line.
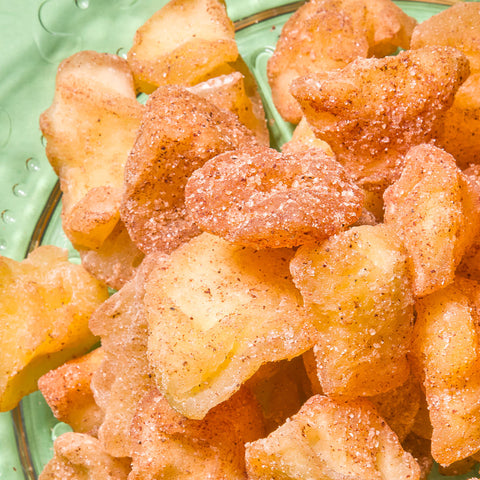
326 35
458 26
462 124
331 439
374 110
116 261
447 353
261 198
399 407
80 456
45 304
90 128
229 93
434 208
124 375
303 138
357 286
179 133
168 445
216 312
68 394
182 44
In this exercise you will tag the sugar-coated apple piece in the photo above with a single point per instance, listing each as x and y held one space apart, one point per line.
331 439
436 211
80 456
182 43
470 263
68 394
90 128
169 445
458 26
116 261
124 375
45 305
446 350
229 93
374 110
216 312
398 407
180 131
325 35
459 135
357 285
260 198
303 138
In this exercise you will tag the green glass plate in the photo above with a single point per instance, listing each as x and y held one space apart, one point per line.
35 36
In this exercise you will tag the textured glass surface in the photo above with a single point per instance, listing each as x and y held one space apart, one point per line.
35 36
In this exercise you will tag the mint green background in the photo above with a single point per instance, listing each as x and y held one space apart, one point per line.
34 37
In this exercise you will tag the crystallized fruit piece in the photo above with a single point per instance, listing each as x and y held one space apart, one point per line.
446 350
458 26
229 93
303 138
90 129
80 456
358 287
182 44
372 111
436 211
399 407
325 35
116 261
45 304
68 394
124 375
169 445
459 135
216 312
331 439
260 198
179 133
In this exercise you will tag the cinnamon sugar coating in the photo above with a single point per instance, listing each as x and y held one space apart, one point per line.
260 198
